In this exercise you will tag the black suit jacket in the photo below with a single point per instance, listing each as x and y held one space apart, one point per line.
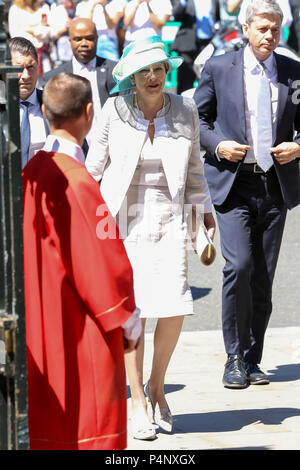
105 79
39 94
221 105
186 38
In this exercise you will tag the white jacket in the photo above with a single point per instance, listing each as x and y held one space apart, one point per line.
117 143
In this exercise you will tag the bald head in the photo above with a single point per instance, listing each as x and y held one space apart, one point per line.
83 38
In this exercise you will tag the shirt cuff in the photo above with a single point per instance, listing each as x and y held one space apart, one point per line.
218 156
132 328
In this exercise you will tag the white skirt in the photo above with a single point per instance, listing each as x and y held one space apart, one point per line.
155 239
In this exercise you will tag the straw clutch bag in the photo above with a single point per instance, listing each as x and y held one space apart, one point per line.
202 243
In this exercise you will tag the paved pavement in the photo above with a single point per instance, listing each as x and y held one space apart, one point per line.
208 416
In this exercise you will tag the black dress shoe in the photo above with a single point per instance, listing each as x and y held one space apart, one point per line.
255 375
235 375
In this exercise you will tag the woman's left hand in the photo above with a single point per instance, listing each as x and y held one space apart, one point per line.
210 225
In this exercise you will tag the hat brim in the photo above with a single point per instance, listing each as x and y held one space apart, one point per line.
125 83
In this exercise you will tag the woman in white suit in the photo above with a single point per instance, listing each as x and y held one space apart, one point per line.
146 154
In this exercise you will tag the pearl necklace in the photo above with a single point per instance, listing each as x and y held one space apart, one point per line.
151 123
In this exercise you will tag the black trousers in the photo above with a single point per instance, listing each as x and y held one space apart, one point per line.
251 223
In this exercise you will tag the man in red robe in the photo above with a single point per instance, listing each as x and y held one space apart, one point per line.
80 308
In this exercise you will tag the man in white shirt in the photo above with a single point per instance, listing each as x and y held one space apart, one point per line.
248 103
59 21
34 127
85 62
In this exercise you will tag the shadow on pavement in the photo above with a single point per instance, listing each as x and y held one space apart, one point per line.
169 388
231 420
285 373
199 292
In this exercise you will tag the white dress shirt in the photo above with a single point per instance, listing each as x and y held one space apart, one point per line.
66 146
89 71
38 125
251 86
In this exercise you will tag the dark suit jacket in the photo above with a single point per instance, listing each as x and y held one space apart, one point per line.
220 101
39 94
185 40
105 79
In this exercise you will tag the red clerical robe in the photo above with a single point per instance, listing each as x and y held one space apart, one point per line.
78 293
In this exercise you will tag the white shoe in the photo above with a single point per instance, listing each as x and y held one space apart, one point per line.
141 427
161 416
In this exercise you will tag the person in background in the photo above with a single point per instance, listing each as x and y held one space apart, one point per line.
85 62
250 128
60 19
106 15
145 18
146 156
294 36
26 18
33 125
84 8
195 32
227 16
233 6
79 299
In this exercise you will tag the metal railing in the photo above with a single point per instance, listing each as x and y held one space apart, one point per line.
13 368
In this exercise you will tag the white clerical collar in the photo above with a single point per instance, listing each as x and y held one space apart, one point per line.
60 145
251 62
77 66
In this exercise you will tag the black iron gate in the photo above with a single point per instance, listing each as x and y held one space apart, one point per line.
13 370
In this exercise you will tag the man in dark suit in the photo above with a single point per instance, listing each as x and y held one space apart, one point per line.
195 32
34 127
250 128
83 38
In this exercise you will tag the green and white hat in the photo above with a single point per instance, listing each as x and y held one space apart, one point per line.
138 55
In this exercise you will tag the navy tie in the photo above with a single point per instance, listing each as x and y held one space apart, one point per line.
25 133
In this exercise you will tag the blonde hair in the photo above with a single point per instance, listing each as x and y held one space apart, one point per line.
21 4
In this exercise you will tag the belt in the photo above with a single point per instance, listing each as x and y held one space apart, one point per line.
253 168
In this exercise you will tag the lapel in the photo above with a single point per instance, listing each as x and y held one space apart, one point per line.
68 67
174 156
283 87
236 89
101 68
39 94
131 153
